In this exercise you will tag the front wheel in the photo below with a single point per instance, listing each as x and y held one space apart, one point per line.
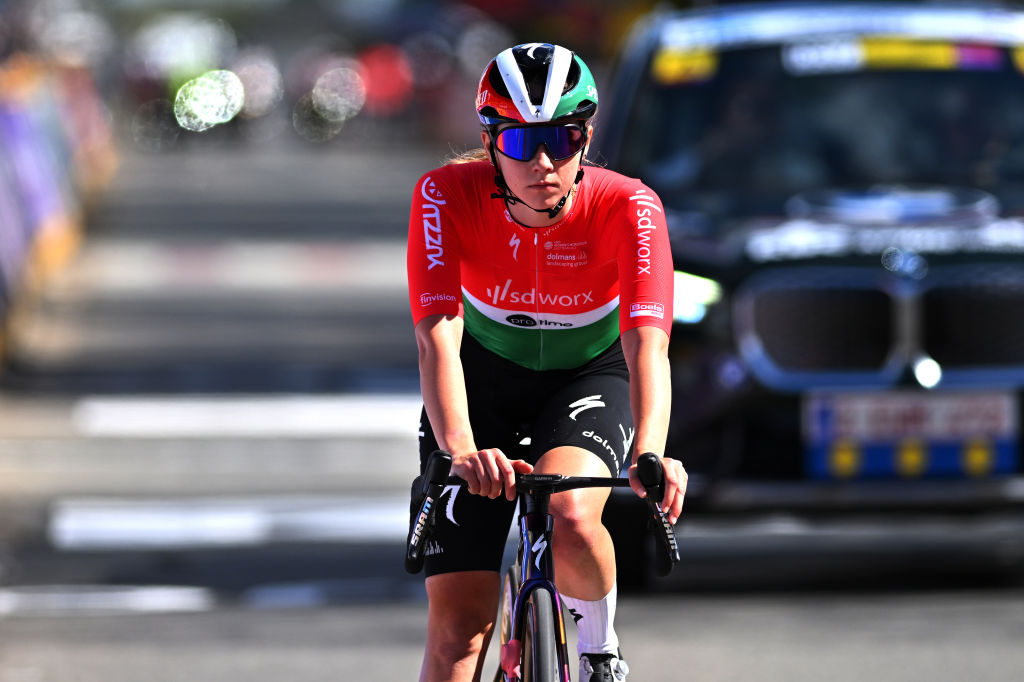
540 658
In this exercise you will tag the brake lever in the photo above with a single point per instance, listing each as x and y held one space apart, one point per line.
652 478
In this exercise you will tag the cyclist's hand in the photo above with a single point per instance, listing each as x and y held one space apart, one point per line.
488 471
675 487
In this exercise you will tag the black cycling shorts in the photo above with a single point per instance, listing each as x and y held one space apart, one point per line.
585 407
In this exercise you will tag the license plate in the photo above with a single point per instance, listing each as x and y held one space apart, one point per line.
907 434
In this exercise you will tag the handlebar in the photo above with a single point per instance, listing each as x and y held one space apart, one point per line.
428 487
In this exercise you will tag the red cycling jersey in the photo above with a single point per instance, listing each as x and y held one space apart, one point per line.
546 297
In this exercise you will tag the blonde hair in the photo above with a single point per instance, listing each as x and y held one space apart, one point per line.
469 156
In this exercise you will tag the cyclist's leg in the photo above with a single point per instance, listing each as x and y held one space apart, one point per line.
462 563
460 622
589 432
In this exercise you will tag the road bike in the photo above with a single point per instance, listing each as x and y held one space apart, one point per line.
533 643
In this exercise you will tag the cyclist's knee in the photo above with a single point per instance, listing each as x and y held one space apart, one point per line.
577 520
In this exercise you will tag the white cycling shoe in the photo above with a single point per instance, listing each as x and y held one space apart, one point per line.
602 668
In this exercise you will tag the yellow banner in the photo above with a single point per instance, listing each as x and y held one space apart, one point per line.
675 66
895 53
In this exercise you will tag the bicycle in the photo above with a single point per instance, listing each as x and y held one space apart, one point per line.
533 643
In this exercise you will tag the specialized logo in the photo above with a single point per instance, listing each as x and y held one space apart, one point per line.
430 299
539 549
531 48
645 208
514 243
576 615
449 511
585 404
647 310
432 222
627 439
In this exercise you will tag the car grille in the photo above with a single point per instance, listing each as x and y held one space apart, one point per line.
860 327
976 320
825 329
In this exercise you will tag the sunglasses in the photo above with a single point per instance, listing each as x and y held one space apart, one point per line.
521 142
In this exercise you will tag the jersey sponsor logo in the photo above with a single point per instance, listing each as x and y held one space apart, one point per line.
647 310
427 299
532 297
432 222
587 403
645 208
566 254
514 243
522 320
603 442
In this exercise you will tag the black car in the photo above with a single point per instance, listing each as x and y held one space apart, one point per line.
844 186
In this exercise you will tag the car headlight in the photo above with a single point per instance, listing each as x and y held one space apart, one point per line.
692 297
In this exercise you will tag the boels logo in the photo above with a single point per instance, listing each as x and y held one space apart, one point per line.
521 320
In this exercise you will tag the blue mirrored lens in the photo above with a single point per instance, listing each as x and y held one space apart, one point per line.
522 143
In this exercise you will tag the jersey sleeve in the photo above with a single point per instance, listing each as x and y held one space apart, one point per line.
645 263
432 256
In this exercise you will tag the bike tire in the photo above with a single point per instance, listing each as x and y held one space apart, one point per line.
508 597
540 657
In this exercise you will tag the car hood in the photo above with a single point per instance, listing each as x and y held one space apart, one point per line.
874 223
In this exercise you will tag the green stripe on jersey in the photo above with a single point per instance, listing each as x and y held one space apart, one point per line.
537 345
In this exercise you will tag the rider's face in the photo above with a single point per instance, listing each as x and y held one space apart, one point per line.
541 182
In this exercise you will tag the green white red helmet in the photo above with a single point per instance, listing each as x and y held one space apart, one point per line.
536 83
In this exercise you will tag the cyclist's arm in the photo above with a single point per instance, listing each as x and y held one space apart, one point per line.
650 393
442 383
438 338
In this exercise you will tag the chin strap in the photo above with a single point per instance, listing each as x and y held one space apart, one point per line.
505 194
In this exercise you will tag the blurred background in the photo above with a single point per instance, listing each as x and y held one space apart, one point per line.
208 391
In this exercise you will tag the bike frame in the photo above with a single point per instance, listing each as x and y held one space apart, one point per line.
537 572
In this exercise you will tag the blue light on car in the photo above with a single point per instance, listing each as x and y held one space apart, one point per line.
692 296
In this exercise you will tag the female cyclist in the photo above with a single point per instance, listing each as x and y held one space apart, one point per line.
541 296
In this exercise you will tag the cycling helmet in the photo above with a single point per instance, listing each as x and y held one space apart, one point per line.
535 83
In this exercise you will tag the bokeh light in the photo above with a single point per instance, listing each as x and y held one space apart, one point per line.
310 125
431 59
339 94
262 81
71 35
180 46
215 97
476 45
388 79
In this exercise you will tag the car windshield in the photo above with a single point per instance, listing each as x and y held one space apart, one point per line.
724 137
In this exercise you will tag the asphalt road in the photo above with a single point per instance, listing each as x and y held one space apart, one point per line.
942 637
